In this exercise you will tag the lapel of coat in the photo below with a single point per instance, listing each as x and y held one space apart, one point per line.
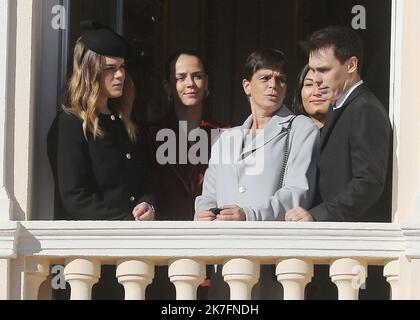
170 121
277 125
334 115
329 125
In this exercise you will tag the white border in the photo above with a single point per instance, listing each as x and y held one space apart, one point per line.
5 202
395 89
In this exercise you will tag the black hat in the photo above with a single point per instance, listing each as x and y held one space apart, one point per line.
103 40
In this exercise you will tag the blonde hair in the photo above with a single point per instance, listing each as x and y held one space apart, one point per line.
83 88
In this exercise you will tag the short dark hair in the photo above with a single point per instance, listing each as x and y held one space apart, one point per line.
297 104
175 55
343 40
265 59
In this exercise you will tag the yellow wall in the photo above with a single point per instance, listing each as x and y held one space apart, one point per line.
407 117
27 40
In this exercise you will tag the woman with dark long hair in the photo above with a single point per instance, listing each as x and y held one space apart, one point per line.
179 181
308 99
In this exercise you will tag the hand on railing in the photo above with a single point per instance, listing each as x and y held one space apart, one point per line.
298 214
206 215
225 213
144 212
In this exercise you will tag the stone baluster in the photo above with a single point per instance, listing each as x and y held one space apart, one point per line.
241 275
392 275
135 276
186 275
294 275
36 272
5 280
82 274
348 275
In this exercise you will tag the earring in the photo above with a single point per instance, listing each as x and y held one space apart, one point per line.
170 98
207 93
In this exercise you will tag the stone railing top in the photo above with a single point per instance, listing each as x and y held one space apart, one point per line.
411 234
214 241
8 239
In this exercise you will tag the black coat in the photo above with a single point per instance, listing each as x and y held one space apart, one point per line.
102 179
353 161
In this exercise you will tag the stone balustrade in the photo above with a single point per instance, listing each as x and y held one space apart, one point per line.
31 248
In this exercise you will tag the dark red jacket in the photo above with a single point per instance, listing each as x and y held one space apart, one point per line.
176 185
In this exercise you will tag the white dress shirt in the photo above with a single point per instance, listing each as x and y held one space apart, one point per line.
342 99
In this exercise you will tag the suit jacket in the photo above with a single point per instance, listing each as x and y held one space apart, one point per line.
248 175
353 160
96 179
176 185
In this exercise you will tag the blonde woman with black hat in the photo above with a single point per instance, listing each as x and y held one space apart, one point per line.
93 145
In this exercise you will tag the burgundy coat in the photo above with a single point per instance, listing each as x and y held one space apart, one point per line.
176 185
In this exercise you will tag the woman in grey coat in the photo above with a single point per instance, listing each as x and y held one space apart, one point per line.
263 168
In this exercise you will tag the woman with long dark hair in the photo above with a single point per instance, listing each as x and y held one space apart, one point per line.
179 181
308 99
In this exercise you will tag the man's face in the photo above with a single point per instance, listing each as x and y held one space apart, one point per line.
329 75
266 89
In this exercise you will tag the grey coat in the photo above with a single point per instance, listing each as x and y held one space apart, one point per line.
247 173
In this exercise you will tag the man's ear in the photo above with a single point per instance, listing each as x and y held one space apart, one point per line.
246 84
352 64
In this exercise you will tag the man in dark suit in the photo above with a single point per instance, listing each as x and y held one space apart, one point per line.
355 141
354 149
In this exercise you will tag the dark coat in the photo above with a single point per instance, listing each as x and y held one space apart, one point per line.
353 161
96 179
177 185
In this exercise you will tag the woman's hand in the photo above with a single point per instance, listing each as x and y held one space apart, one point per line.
298 214
231 213
227 213
144 212
205 215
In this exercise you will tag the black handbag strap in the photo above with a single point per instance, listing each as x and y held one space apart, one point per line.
286 151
